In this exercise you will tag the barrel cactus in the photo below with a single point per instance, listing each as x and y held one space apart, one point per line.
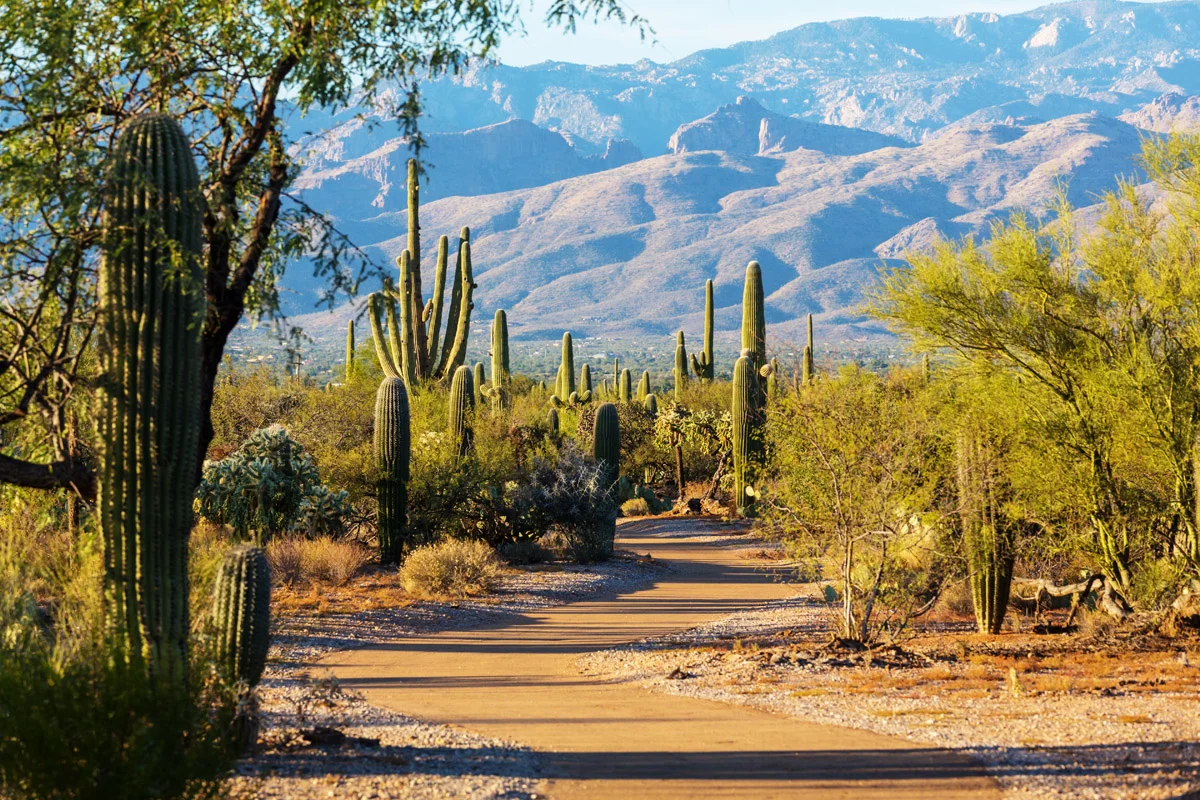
242 613
461 410
393 447
151 311
703 365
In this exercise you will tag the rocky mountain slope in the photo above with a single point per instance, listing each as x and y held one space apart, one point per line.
833 149
626 251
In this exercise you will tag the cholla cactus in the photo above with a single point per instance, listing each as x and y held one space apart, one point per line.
270 485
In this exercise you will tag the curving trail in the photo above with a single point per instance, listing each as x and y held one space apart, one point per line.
516 681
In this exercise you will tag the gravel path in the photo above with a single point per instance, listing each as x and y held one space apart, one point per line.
411 759
1037 745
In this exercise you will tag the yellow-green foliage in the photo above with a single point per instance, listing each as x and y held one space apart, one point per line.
451 568
296 559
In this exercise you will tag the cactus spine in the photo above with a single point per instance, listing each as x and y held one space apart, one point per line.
242 613
151 311
625 393
462 409
393 446
987 532
410 350
754 323
703 366
350 350
606 442
681 368
746 439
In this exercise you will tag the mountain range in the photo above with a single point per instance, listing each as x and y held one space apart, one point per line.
601 198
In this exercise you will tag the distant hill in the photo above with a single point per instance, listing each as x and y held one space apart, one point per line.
625 252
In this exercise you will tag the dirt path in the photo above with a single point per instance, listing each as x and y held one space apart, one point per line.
517 681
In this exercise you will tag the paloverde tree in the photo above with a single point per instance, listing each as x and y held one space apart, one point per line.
72 72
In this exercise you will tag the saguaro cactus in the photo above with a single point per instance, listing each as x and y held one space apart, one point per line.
703 366
552 421
462 409
566 375
151 311
681 367
585 384
410 350
242 613
480 382
650 403
393 448
754 322
498 390
809 369
350 350
606 442
988 535
746 437
625 392
773 378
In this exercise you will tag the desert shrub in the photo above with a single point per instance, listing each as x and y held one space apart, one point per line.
270 485
451 568
637 507
640 451
321 560
568 499
246 401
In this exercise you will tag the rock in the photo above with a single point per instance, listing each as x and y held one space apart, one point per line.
1187 609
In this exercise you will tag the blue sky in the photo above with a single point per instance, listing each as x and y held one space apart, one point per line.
685 26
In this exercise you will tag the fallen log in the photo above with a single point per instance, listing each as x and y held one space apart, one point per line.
1033 596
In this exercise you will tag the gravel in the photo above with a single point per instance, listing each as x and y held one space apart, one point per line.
390 755
1129 745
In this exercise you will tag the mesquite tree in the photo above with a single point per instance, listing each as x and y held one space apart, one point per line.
73 72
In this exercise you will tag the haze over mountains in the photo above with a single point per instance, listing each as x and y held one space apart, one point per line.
601 198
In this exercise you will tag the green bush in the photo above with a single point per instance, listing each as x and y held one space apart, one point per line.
452 568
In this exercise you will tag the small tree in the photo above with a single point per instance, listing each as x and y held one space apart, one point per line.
854 464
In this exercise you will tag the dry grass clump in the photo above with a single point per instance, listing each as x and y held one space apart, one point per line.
637 507
451 568
322 560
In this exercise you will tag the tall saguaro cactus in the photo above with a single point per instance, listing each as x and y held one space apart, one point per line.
606 442
746 436
461 410
625 390
681 368
754 321
392 451
703 366
242 613
809 368
411 349
988 535
498 391
585 383
151 311
566 373
479 383
350 350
